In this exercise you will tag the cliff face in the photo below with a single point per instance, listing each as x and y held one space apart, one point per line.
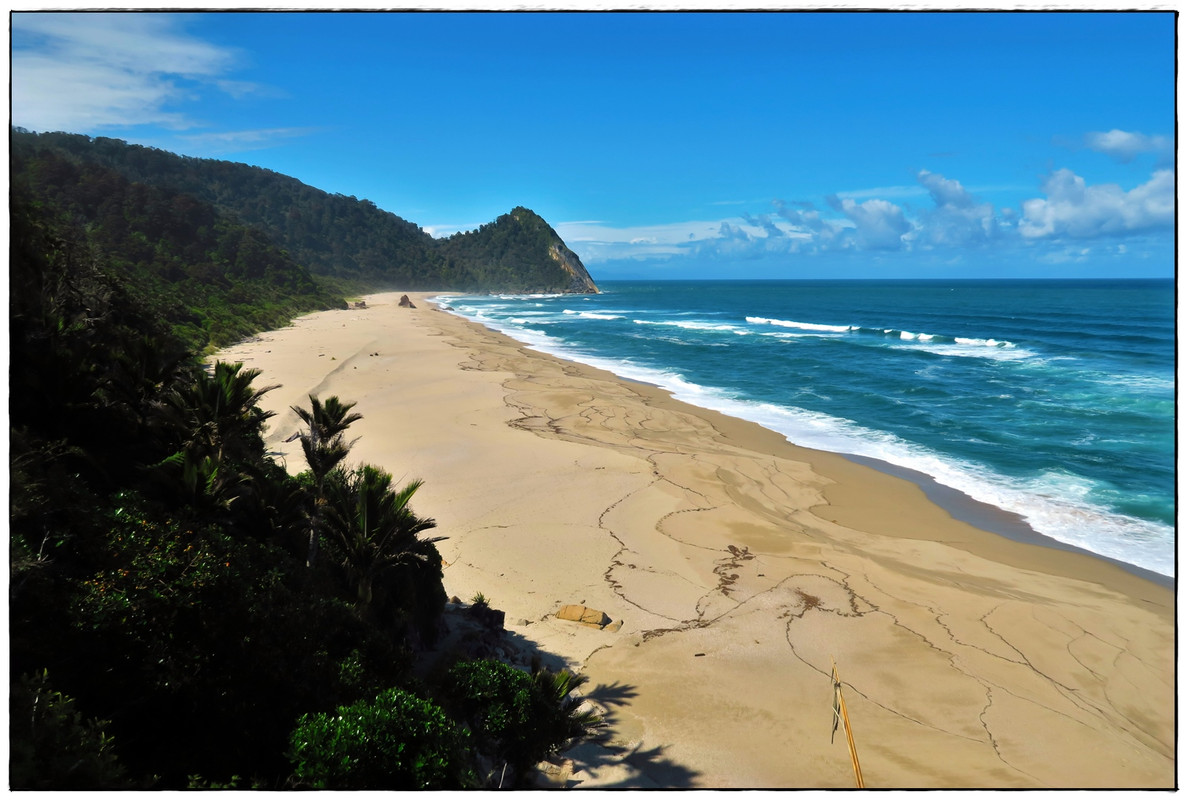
580 282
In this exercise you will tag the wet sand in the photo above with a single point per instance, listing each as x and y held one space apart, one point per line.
736 568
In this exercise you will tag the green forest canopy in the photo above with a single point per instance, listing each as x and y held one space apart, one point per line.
329 235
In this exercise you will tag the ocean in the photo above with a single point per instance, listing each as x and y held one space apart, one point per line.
1053 400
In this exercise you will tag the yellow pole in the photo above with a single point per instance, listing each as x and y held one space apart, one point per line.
848 729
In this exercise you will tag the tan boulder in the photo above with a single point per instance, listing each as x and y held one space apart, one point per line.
586 616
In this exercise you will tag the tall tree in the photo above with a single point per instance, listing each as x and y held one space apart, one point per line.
325 449
375 527
218 414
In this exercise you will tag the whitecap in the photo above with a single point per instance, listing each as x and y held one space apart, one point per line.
694 326
591 314
807 326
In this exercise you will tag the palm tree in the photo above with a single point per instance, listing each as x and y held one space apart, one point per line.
325 449
327 422
218 414
374 527
207 487
563 719
217 423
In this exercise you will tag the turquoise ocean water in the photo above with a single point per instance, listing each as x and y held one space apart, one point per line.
1054 400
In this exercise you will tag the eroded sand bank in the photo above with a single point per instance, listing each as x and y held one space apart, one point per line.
740 566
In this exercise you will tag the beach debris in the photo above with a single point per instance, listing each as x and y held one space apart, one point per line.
405 302
554 774
584 616
841 714
361 304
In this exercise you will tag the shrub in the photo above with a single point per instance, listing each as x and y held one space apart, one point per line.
53 746
515 717
396 741
494 699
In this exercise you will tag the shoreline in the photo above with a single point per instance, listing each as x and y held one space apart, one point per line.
995 520
958 503
737 565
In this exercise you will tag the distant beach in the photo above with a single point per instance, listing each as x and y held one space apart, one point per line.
736 568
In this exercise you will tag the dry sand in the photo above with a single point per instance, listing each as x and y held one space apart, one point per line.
740 567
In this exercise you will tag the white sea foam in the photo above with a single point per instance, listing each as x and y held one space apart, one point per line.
973 351
903 336
694 326
591 314
982 342
807 326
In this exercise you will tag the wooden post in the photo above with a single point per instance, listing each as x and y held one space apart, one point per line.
839 705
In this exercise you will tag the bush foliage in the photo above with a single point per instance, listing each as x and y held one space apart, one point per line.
395 741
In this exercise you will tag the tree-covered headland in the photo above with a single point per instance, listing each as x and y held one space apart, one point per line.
183 611
232 237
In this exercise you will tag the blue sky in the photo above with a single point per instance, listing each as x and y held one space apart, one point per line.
670 145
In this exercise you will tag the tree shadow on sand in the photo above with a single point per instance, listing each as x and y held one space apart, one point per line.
643 768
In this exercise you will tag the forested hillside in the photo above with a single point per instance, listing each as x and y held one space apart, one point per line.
200 271
183 613
328 234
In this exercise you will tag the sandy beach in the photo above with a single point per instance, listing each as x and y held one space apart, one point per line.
736 569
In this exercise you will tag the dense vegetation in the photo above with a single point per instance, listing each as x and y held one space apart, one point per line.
329 235
211 278
183 612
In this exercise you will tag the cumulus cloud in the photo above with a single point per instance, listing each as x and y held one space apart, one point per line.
957 219
944 191
1074 209
880 224
81 72
1124 146
1069 213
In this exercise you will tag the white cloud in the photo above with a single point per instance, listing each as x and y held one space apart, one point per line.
238 141
944 191
881 192
1125 146
1074 209
597 241
881 224
957 222
83 71
958 219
